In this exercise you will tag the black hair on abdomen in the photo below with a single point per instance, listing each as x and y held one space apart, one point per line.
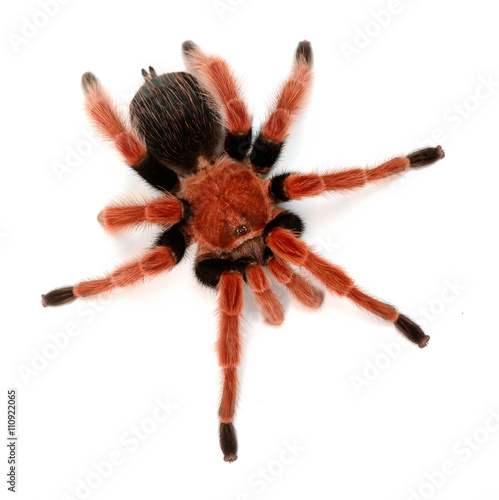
176 120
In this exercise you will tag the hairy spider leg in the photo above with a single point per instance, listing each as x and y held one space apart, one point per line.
293 186
112 126
219 79
166 253
266 299
229 350
288 102
290 248
301 289
132 212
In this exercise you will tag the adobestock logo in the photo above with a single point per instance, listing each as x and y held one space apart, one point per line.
464 448
265 476
130 442
30 27
374 367
364 35
455 116
74 156
325 244
58 341
222 7
436 307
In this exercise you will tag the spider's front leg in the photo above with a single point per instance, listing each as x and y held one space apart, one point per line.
288 102
218 78
112 126
285 244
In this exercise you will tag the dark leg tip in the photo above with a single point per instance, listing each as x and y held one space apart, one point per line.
230 458
88 82
58 297
304 53
189 47
424 341
411 331
228 442
100 217
426 156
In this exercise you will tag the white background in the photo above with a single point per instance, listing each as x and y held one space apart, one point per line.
366 424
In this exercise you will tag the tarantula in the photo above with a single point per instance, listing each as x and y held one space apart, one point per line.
190 137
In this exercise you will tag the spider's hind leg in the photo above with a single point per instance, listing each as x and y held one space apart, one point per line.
299 287
267 301
229 351
228 278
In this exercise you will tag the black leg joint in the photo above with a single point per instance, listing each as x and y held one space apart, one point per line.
265 153
268 255
186 211
278 189
208 271
173 239
156 174
238 145
286 220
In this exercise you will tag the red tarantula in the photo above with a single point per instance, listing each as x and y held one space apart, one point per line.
191 139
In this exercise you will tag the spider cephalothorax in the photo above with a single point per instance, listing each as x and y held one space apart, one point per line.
190 137
230 205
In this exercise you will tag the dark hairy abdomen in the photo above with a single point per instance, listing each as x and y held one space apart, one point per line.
172 115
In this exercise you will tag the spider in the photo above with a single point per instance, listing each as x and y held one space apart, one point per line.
190 137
